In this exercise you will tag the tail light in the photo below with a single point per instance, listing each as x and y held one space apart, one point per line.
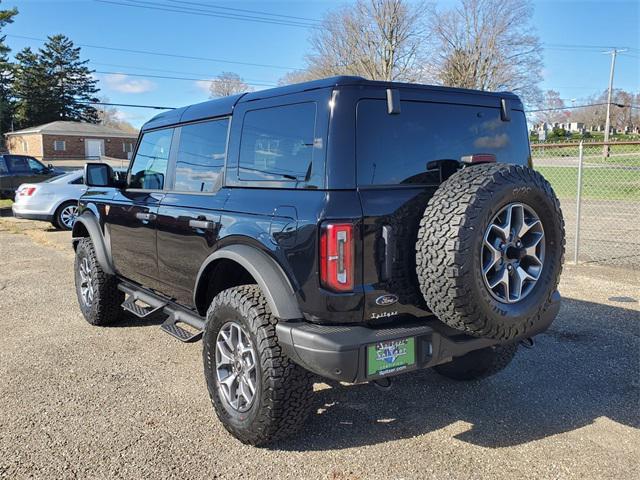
27 192
336 257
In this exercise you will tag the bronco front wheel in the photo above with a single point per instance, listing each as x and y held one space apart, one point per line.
97 291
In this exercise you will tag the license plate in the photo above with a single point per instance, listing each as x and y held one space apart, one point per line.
384 358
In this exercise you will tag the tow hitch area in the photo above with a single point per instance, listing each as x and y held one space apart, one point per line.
383 384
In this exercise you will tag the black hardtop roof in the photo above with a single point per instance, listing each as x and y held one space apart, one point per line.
224 106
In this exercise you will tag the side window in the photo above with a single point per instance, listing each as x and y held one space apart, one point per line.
36 166
201 154
3 166
150 163
277 143
17 164
77 181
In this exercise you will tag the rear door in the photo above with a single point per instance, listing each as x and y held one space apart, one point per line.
396 177
189 214
132 214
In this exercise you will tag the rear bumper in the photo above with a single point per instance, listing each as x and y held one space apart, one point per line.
340 352
31 215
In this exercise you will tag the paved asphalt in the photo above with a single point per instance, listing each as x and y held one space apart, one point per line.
130 402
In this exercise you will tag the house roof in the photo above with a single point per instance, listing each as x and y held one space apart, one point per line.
76 129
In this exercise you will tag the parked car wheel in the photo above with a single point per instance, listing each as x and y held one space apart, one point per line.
65 215
258 393
479 364
97 291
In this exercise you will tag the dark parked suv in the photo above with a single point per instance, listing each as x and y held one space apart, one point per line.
18 169
346 228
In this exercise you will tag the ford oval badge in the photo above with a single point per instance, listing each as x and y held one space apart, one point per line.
386 300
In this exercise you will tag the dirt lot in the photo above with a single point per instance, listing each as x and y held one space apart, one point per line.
130 401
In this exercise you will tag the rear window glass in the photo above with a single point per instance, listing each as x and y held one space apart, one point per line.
201 155
395 149
17 164
277 143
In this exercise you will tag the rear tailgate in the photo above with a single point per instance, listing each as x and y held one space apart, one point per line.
397 173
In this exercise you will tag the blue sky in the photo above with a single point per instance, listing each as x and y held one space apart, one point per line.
576 73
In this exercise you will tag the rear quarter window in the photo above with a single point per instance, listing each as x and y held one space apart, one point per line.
395 149
278 143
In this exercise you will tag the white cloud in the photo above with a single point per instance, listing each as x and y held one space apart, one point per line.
125 84
204 85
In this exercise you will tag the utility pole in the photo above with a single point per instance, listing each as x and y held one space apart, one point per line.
607 126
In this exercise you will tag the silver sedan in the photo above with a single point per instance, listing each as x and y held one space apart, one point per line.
54 200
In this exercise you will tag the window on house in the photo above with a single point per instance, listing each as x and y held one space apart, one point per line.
277 143
59 145
127 147
201 155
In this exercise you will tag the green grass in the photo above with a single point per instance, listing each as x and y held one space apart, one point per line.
597 183
5 203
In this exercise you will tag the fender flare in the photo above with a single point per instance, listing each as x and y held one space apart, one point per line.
268 274
93 227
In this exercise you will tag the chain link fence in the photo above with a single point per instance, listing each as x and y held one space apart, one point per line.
599 190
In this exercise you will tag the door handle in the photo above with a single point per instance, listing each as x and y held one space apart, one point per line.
145 216
202 224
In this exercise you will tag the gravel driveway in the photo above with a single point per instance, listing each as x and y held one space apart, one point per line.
130 402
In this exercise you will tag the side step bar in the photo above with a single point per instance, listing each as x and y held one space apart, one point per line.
176 314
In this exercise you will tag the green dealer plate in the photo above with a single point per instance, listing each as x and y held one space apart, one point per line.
384 358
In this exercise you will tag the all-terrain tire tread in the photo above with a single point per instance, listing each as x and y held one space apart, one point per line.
286 388
106 308
444 244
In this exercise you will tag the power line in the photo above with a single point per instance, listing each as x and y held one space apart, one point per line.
244 10
131 105
177 78
162 54
621 105
206 13
250 81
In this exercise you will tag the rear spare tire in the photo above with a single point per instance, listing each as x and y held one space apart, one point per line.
490 250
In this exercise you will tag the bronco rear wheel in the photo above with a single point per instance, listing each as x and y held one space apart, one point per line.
490 250
258 393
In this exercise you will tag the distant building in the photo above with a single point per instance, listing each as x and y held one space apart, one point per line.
71 140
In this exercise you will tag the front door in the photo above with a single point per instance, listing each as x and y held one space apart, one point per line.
189 215
132 216
94 148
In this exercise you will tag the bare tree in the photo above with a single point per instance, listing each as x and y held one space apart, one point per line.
376 39
621 116
112 117
552 100
227 83
487 45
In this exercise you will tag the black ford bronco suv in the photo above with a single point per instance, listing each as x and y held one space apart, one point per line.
346 228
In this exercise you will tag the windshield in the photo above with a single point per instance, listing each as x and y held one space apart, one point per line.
395 149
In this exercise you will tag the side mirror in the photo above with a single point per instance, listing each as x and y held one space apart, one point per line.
50 167
100 175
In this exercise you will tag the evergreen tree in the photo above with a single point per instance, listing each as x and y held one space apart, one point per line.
32 90
6 104
72 82
54 84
